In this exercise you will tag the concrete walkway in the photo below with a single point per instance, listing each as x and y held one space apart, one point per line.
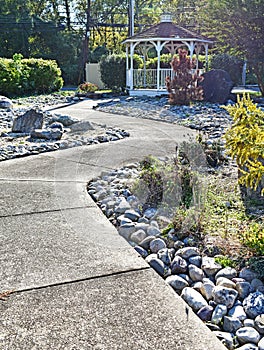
78 284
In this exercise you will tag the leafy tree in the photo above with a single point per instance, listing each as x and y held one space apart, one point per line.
238 27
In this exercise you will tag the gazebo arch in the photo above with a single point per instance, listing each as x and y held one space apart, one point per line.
167 35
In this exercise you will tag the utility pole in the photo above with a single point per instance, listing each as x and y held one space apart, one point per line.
131 17
86 41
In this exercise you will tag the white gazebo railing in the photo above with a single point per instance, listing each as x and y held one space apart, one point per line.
148 78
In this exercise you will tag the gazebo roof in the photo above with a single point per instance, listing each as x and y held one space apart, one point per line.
166 30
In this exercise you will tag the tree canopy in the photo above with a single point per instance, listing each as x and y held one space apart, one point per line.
65 29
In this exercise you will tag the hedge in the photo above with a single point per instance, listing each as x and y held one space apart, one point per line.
19 76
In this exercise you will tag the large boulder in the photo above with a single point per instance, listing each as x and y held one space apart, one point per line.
5 103
217 86
28 121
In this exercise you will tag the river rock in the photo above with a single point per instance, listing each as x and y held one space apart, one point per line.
195 273
247 274
254 304
141 251
187 252
237 311
178 265
248 346
261 344
177 282
193 298
156 264
231 324
5 103
225 282
247 335
259 324
219 312
205 313
165 256
207 288
227 272
243 288
138 236
226 296
156 245
226 338
66 120
209 266
28 121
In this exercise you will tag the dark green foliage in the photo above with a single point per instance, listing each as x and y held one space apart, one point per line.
230 64
19 76
113 71
97 53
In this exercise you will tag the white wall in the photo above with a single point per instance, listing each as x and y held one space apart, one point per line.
93 74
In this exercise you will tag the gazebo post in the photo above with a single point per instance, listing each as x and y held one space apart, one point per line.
131 83
158 48
127 68
206 57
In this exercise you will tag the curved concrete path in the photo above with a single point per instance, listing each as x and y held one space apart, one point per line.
78 284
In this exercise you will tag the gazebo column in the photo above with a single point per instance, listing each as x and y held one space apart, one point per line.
206 56
127 68
158 46
130 71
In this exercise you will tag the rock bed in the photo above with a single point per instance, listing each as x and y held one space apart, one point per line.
76 133
210 119
230 302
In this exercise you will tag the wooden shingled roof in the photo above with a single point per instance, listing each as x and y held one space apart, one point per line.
167 30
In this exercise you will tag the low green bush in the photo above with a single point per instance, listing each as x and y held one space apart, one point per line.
20 76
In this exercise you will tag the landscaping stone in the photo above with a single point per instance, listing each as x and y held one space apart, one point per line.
259 324
223 295
226 338
247 335
193 298
156 245
254 304
219 312
27 122
205 313
261 344
178 265
231 324
5 103
227 272
177 282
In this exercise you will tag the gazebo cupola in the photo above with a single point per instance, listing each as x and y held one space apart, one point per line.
165 34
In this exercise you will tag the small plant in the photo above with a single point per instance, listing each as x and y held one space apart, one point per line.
87 87
253 237
225 261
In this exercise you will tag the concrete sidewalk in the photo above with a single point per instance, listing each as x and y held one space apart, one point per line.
78 284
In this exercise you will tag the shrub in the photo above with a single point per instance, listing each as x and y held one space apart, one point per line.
20 76
244 141
113 70
87 87
230 64
183 87
253 237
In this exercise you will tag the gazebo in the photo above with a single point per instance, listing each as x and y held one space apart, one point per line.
166 35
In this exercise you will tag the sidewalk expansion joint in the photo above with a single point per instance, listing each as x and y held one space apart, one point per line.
7 179
47 211
72 282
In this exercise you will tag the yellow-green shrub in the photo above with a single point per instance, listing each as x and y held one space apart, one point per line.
245 141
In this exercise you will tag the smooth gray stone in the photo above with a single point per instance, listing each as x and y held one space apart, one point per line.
226 338
177 282
247 335
193 298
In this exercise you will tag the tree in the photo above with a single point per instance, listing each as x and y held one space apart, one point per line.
238 27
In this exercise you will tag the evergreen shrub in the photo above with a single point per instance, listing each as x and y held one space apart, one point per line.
20 76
